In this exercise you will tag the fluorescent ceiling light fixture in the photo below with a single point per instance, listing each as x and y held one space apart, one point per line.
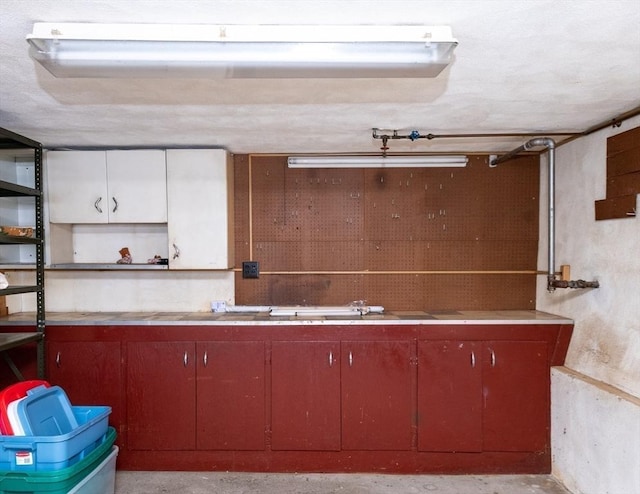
237 51
427 161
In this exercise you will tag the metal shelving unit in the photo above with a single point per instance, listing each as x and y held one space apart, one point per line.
23 146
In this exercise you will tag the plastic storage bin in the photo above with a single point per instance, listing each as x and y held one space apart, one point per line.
11 394
46 412
46 453
87 474
103 478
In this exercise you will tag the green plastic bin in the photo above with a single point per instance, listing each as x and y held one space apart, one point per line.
57 481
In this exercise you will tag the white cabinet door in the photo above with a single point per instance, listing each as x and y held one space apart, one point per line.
137 186
77 186
113 186
200 209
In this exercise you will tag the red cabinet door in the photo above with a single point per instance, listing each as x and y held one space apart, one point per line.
231 395
491 396
90 373
161 390
376 395
516 401
305 395
449 398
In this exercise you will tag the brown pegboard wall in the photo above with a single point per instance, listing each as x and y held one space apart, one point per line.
343 224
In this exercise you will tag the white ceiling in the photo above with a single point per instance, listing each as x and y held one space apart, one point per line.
538 66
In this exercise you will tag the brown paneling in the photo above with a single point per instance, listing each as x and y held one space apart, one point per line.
617 207
623 185
241 195
623 176
623 142
346 223
404 292
625 162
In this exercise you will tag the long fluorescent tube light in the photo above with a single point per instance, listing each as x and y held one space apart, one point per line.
260 51
377 161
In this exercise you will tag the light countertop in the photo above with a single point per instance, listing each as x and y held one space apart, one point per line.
264 318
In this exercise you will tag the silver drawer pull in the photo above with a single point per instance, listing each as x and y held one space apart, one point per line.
350 359
97 205
58 359
473 359
205 359
493 357
185 359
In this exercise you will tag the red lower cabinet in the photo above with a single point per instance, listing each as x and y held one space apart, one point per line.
483 396
305 396
376 395
230 395
516 402
90 373
450 396
332 396
274 398
161 391
188 396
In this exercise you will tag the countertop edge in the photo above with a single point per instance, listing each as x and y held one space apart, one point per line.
264 319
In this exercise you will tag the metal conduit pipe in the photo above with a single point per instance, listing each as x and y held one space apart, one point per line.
551 146
552 282
551 217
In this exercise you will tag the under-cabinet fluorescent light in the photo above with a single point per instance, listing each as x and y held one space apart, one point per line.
377 161
260 51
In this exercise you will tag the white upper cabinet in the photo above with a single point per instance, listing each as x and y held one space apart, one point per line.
77 186
200 205
137 185
113 186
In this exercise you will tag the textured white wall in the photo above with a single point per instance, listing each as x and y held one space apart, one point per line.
595 411
595 432
126 291
140 291
606 339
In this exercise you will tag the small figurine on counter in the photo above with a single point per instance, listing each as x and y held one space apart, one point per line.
125 256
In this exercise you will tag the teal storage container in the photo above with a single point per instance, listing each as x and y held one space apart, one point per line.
64 480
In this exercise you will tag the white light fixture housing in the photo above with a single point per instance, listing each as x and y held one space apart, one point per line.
240 51
426 161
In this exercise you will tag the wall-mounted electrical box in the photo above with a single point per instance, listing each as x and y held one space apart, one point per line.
250 269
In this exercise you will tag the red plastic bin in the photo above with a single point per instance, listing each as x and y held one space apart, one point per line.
12 393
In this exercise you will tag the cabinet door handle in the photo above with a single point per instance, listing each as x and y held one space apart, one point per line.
97 205
176 251
350 359
330 359
473 359
115 205
205 359
58 360
185 359
493 357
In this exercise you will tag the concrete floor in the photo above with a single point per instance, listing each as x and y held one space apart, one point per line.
260 483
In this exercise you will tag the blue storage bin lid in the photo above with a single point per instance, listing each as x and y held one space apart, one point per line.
46 412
